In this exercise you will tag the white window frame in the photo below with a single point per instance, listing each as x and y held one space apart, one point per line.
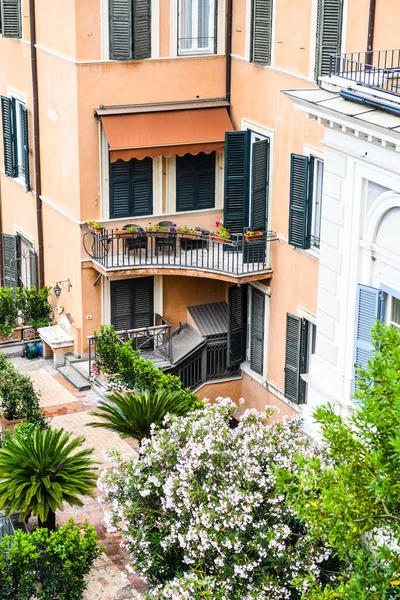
389 309
219 46
316 201
212 25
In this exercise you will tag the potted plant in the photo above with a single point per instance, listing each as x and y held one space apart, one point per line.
223 235
128 232
18 400
188 232
9 332
157 230
94 226
251 236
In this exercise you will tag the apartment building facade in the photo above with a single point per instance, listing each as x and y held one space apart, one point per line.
174 112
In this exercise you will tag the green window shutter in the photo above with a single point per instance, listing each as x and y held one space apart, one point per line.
120 190
237 324
295 359
132 303
10 260
7 123
32 268
195 182
122 304
141 29
257 331
369 308
298 203
142 187
25 134
329 34
143 302
259 185
121 29
236 180
11 18
1 22
261 32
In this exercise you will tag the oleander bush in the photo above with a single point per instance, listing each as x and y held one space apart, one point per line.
201 515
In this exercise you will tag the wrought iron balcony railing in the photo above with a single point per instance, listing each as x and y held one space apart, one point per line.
378 69
235 257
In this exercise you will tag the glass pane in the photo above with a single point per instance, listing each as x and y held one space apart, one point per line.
20 139
317 201
204 23
185 25
395 316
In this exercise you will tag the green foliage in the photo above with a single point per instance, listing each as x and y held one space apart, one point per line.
132 414
35 307
48 565
107 345
17 395
8 311
351 499
38 473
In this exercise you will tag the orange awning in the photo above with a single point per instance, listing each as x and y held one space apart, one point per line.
166 133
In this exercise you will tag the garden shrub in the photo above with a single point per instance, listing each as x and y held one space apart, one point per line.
8 311
35 307
107 346
18 399
201 515
48 565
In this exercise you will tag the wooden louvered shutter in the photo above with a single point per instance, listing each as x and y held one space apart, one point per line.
142 187
143 302
262 32
120 190
25 135
141 29
7 123
195 182
121 29
185 182
122 304
205 181
10 260
294 359
1 22
236 180
11 18
299 168
259 185
370 308
32 268
329 34
257 331
237 324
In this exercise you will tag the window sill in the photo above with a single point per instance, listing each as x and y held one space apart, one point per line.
188 53
245 367
313 252
19 181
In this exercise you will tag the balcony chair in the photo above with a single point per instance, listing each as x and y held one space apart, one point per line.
136 243
168 241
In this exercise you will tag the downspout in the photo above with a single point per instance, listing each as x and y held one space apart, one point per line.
36 137
228 78
371 28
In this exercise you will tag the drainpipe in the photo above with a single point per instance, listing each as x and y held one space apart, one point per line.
36 137
228 53
371 27
1 243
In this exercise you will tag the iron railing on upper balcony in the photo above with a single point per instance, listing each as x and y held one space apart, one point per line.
235 256
154 342
378 69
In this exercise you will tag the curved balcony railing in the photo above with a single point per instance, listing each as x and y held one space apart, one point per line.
205 252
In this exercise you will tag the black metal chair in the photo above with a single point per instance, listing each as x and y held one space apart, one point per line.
137 243
166 241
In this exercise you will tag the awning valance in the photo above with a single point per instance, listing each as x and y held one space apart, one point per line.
166 133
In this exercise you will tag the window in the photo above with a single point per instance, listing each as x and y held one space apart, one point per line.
195 181
246 181
15 139
305 203
10 18
197 27
300 345
131 188
261 31
393 311
329 34
130 29
19 261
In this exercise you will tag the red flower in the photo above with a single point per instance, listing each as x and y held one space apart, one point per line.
228 230
217 224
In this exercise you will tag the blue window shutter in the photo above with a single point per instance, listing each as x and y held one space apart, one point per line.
8 140
369 309
259 185
236 180
299 177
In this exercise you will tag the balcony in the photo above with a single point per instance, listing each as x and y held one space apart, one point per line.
200 255
378 69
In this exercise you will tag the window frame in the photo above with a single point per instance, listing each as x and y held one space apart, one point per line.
389 301
213 26
315 199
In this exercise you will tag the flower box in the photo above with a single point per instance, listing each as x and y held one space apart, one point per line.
189 235
217 238
124 233
95 229
256 235
9 424
158 233
15 336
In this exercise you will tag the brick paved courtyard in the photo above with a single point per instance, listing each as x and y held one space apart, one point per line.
69 409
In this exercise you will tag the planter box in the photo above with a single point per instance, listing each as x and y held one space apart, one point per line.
158 233
124 233
189 236
9 425
257 235
94 229
16 336
217 238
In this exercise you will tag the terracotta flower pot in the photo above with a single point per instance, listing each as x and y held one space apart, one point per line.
124 233
217 238
190 236
9 424
251 238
